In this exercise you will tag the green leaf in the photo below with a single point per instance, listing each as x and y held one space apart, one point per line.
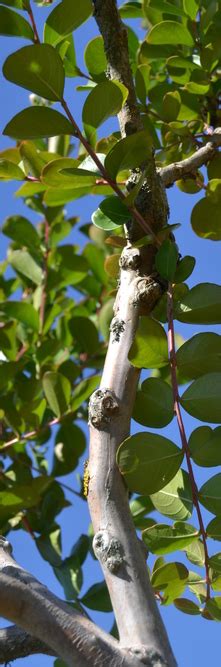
205 446
214 167
68 268
215 563
162 7
111 214
105 100
23 312
14 25
37 122
163 539
57 389
171 106
213 606
10 170
83 390
66 173
22 231
166 260
128 153
175 499
202 398
97 597
95 58
154 404
38 68
65 18
184 268
201 305
69 446
18 4
23 262
69 574
196 554
171 579
213 529
49 547
149 349
187 606
210 494
148 461
170 32
199 355
205 219
84 334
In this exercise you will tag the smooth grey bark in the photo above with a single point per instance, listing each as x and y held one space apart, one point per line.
70 635
115 543
16 643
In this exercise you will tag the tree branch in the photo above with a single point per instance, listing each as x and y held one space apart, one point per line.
114 34
173 172
15 643
69 634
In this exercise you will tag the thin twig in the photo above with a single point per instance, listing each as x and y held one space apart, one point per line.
185 446
34 27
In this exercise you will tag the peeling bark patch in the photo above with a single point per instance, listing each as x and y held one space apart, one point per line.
103 405
149 657
147 293
117 327
108 550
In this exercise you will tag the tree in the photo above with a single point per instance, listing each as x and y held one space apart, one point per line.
57 350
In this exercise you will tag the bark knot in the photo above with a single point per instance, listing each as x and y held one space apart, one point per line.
148 656
5 545
130 259
147 293
103 405
108 550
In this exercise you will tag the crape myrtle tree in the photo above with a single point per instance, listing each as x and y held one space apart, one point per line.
129 282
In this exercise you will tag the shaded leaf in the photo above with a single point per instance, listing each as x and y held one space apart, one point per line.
166 260
112 213
35 122
57 390
199 355
38 68
65 18
148 461
83 390
128 153
69 446
187 606
210 494
184 268
205 446
154 403
214 529
23 312
105 100
97 597
202 398
201 305
14 25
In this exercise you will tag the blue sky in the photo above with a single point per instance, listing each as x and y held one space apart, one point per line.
195 641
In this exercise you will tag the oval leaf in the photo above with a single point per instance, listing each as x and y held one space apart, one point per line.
35 122
57 389
154 404
163 539
14 25
65 18
199 355
205 446
210 494
166 260
149 349
170 32
201 305
148 461
128 153
175 499
105 100
202 398
38 68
